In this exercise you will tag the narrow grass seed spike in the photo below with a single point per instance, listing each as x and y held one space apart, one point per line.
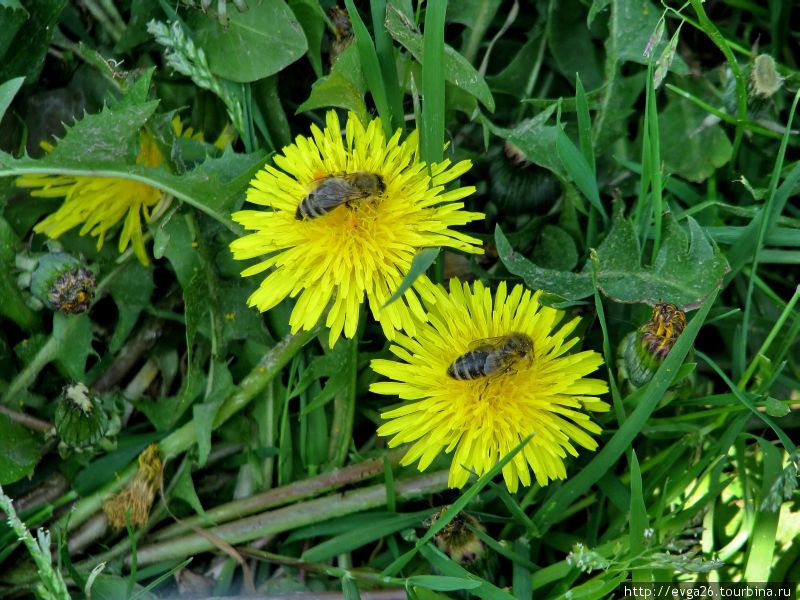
332 256
482 419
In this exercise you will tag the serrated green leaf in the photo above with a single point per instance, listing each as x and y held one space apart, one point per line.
253 44
535 140
555 249
687 269
457 69
19 451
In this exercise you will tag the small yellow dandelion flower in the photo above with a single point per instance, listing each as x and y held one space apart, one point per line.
331 256
481 375
99 203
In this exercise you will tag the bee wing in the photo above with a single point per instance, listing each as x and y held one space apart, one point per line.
331 193
488 344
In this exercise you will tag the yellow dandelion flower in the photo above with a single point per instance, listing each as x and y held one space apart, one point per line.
99 203
334 256
481 375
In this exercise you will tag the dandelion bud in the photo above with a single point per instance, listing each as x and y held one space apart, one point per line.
457 540
643 350
137 497
63 283
80 420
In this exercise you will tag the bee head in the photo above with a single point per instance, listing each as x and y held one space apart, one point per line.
519 344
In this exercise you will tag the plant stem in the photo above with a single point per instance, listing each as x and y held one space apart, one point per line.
183 438
291 517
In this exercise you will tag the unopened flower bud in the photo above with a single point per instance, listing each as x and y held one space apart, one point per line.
80 421
63 283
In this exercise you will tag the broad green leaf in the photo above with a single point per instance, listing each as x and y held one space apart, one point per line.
204 414
690 147
25 36
457 69
555 249
8 90
518 69
131 291
254 44
311 17
572 286
687 269
343 88
19 450
632 24
571 45
72 335
13 304
419 265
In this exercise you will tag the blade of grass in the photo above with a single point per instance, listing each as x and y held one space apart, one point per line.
371 67
385 51
765 526
719 40
638 520
649 397
432 126
584 124
453 510
419 264
652 147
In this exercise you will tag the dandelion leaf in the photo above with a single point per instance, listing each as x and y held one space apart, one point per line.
253 44
19 451
687 269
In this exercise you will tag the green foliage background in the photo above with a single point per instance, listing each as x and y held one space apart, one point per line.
624 153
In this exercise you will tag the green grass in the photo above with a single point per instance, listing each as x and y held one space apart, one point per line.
602 186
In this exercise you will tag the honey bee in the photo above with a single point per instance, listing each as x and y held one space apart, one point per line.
336 190
491 356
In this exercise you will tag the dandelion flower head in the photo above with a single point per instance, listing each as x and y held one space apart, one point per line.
99 203
481 420
359 248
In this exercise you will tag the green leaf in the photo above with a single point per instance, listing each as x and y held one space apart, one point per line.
572 286
571 45
632 24
457 69
776 408
350 588
555 249
254 44
343 88
183 488
686 270
449 568
27 38
431 141
579 170
443 583
8 90
205 413
73 338
535 140
312 19
131 291
419 265
19 451
690 147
